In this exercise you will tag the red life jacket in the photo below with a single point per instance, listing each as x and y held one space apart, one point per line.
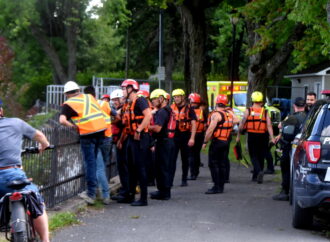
257 120
182 117
223 129
200 122
131 121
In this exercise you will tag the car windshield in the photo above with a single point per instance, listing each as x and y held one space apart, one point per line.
240 99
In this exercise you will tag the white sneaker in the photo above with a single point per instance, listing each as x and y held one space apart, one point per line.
87 198
106 201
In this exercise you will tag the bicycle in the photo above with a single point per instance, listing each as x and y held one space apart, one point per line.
16 205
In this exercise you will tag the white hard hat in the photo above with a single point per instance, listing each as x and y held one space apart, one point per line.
118 93
70 86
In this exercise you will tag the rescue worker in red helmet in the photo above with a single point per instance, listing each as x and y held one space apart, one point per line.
143 93
137 120
256 122
220 125
184 137
105 97
195 156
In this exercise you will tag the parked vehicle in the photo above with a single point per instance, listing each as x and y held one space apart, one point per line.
310 166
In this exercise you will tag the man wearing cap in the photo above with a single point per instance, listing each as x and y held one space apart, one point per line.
12 131
88 118
289 129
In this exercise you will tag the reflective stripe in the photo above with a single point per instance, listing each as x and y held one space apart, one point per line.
87 118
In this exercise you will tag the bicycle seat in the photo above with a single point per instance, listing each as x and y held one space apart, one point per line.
18 184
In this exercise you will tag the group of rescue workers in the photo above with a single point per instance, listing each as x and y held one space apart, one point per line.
148 133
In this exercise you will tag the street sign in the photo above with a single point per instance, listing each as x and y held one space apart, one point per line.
161 73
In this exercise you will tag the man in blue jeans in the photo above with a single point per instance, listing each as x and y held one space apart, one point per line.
12 131
89 120
104 153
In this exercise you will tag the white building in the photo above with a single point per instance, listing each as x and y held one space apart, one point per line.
315 79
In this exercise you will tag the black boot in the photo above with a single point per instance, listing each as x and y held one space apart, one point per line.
214 190
160 195
139 203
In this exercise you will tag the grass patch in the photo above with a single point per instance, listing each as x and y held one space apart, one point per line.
40 119
60 220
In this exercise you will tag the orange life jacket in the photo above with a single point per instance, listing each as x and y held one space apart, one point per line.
131 121
105 107
90 117
200 122
182 117
223 129
257 120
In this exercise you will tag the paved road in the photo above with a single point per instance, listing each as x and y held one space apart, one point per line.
245 212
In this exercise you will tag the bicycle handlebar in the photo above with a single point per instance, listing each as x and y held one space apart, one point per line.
35 150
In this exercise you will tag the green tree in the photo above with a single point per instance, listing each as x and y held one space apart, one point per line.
279 31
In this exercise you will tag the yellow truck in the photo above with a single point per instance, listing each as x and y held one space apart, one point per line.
239 98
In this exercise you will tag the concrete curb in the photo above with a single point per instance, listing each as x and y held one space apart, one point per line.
76 203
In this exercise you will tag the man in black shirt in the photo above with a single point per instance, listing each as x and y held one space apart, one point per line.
136 120
164 145
185 132
83 107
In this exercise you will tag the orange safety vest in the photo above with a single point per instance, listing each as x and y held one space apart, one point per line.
200 122
223 129
256 121
182 117
105 107
131 121
90 117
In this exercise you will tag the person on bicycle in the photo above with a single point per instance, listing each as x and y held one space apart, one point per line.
12 131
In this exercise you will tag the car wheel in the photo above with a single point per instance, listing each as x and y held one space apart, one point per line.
302 218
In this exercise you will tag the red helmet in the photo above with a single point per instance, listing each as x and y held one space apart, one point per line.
105 96
222 98
143 93
195 98
131 82
168 96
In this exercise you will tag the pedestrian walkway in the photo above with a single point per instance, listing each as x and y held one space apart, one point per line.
244 212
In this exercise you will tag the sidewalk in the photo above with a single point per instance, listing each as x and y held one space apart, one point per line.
244 212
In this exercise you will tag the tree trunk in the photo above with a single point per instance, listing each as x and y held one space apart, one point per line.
194 39
264 65
71 29
51 53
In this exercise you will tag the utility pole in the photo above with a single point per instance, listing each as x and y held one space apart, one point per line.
161 67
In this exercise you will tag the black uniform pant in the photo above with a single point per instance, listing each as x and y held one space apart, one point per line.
137 152
164 153
195 154
285 167
227 163
122 166
181 140
257 145
217 162
269 159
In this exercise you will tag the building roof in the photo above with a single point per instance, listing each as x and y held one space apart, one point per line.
316 70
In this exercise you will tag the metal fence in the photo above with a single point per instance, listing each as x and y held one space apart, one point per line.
59 173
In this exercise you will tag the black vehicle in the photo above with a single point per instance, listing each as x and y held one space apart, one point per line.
310 166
